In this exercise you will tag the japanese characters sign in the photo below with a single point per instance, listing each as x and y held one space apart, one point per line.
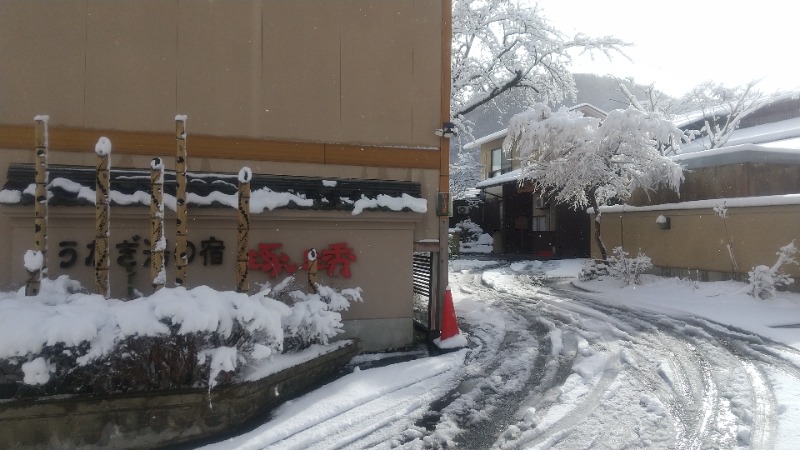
267 257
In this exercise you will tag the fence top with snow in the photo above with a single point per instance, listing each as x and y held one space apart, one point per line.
74 186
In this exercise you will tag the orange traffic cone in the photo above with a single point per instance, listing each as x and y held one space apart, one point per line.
449 322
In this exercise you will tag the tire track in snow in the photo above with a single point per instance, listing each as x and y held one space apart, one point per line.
743 351
697 407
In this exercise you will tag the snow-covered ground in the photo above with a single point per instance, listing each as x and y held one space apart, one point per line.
667 364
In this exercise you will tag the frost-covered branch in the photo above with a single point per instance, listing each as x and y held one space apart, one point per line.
502 45
723 109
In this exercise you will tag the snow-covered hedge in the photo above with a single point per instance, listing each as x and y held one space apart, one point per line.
64 341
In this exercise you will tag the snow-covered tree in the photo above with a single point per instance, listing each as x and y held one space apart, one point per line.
504 45
465 171
723 108
584 163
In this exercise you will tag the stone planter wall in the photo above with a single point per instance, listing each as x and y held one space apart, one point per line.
156 419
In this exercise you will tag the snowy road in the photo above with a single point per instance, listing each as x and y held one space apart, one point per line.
551 367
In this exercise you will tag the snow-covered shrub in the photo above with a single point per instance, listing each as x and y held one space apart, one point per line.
315 318
593 270
627 269
470 231
171 339
63 341
764 280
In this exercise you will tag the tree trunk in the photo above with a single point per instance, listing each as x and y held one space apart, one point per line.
597 236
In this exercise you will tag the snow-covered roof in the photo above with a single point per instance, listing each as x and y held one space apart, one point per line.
759 134
739 154
684 120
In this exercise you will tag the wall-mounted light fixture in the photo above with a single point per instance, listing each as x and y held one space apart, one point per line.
448 130
664 222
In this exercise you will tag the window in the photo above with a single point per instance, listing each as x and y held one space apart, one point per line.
539 223
500 163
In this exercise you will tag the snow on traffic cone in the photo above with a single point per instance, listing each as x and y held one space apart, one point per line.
449 322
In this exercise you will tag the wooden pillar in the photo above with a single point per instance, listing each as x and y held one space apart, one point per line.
102 203
181 249
243 230
157 241
444 162
40 203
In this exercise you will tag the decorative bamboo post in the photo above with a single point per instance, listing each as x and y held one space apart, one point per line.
243 230
157 241
41 144
102 202
312 270
181 249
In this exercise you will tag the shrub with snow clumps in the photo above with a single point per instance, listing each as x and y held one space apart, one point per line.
764 280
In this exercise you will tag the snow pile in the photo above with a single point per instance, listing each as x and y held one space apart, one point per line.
34 260
103 147
266 198
419 205
206 332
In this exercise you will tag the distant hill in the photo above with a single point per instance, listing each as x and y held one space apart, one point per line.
599 91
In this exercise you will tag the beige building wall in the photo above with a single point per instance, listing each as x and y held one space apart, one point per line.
326 88
349 71
698 238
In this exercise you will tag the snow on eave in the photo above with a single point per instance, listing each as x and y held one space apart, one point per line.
736 202
508 177
488 138
588 106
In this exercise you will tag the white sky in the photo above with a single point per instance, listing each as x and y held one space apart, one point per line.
681 43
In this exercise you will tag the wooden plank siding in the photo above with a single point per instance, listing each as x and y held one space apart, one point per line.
147 144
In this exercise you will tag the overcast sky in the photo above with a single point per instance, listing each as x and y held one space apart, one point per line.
681 43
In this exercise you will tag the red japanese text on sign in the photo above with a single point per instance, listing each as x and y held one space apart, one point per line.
267 260
335 256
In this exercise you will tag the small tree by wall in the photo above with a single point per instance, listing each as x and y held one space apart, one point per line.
584 163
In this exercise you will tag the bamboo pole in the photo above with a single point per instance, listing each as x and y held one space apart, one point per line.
312 270
181 249
157 241
41 144
102 203
243 230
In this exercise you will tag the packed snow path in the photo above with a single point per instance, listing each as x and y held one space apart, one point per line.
574 373
550 367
